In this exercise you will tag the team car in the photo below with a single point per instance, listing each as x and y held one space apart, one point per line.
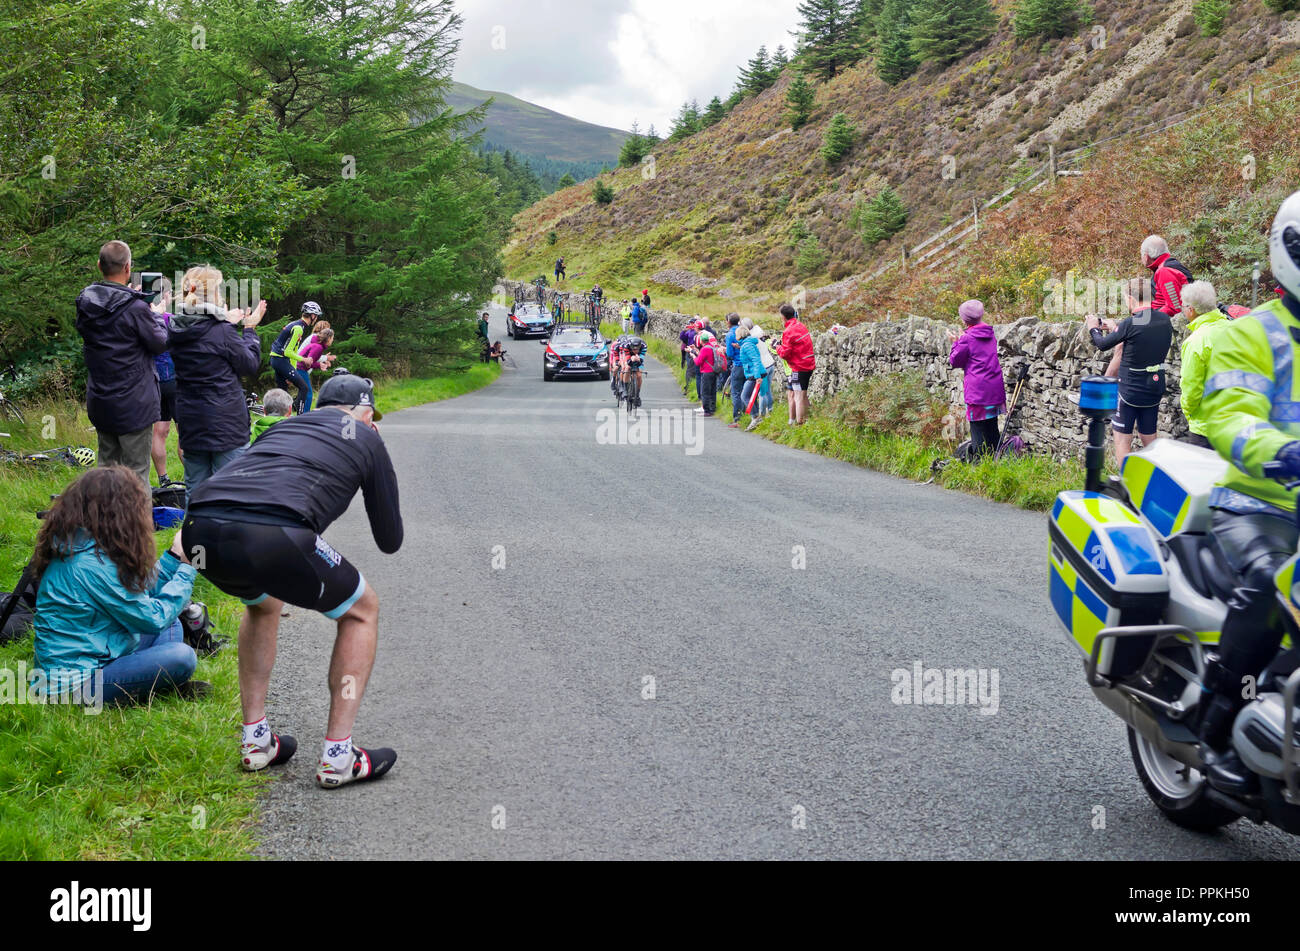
573 352
529 320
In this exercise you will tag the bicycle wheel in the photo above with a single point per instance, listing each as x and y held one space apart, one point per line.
12 411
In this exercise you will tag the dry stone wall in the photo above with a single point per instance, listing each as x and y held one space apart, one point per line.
1058 356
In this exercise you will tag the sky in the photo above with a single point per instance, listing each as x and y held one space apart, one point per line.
612 62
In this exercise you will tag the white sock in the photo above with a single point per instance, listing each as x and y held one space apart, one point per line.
259 733
338 753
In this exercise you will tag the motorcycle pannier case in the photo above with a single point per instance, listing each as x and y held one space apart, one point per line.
1170 483
1104 570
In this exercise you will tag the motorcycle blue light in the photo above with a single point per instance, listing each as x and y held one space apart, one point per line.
1099 394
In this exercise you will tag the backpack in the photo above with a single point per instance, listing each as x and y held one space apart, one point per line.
17 610
198 629
719 359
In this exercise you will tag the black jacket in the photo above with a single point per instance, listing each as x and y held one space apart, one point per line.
306 471
121 336
211 354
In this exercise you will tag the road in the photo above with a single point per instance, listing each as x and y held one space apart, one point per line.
770 594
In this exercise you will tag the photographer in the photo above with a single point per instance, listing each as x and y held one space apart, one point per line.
121 337
1145 336
212 351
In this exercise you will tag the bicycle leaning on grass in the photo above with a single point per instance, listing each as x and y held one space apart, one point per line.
8 408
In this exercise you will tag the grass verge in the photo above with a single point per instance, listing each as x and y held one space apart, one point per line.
134 783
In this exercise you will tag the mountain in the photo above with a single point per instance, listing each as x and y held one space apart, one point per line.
737 215
540 135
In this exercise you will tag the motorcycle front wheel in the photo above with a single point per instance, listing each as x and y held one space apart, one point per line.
1178 790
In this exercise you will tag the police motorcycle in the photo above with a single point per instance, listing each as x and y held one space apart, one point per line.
1134 578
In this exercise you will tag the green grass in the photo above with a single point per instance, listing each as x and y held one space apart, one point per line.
134 783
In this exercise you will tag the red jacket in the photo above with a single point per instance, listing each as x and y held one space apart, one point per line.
1169 277
797 347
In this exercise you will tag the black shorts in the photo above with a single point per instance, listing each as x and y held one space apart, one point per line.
167 389
798 380
1146 418
252 562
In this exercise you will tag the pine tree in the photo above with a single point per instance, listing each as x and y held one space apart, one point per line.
634 148
756 75
881 218
839 138
714 112
1049 18
894 61
687 122
567 181
945 30
601 193
780 59
800 97
831 40
1209 16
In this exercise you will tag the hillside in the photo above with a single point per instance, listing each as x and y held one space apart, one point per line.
537 133
724 215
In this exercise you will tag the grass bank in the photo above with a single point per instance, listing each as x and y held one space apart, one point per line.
134 783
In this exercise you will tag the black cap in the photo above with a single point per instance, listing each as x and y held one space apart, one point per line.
348 390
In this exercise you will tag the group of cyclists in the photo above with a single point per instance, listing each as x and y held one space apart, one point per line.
626 366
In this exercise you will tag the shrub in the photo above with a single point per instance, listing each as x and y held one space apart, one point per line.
1209 16
601 193
810 257
895 403
839 138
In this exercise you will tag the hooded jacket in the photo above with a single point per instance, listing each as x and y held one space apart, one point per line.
751 358
796 347
976 352
86 618
1196 355
211 354
120 337
1168 278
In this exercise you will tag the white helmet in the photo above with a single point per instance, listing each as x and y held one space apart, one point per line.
1284 246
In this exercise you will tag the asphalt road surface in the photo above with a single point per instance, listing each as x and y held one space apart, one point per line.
770 594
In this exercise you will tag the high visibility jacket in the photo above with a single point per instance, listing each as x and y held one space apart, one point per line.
1249 407
1196 351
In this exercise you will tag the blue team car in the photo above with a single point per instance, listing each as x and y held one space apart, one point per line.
529 320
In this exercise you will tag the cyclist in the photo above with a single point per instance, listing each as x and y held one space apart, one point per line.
284 352
617 351
634 350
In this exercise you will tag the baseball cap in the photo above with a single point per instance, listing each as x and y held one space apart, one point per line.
348 390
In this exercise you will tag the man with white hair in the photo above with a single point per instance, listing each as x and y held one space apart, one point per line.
1204 320
1168 275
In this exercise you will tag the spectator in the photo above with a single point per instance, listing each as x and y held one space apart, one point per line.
485 343
706 379
1168 275
312 356
752 366
796 349
121 336
735 373
768 360
645 299
975 352
277 405
1204 321
211 356
686 340
559 270
166 370
1146 336
640 316
106 603
625 315
496 353
284 352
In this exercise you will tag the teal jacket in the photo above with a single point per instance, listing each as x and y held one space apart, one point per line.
751 358
86 618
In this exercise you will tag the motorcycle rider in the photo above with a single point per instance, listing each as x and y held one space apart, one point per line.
1252 417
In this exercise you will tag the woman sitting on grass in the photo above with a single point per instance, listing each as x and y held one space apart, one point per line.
105 602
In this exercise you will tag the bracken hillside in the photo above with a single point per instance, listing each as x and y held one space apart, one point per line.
736 215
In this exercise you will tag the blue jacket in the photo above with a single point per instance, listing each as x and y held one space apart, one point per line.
733 348
86 618
751 358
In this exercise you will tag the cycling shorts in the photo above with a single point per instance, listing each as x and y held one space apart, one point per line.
798 380
1145 418
252 562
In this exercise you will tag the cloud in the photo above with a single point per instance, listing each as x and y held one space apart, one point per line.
615 61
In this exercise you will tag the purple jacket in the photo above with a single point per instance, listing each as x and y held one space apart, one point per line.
687 337
976 352
121 337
